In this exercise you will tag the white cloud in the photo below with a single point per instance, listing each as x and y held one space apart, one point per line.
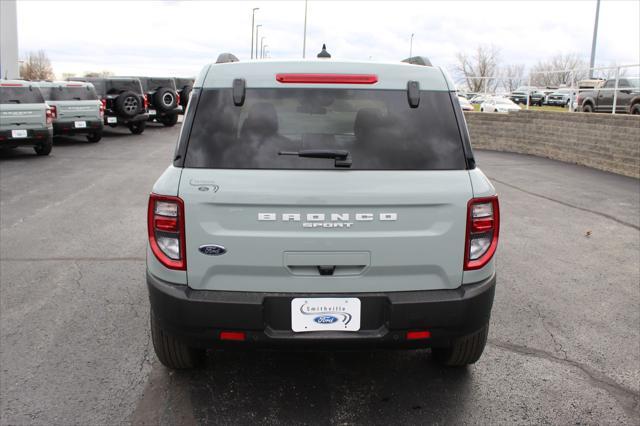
178 38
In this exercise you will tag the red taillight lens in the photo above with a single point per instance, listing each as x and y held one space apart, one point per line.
327 78
49 115
165 223
146 101
54 112
177 98
103 106
483 226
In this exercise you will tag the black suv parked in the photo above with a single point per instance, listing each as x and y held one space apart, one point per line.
123 99
184 86
164 101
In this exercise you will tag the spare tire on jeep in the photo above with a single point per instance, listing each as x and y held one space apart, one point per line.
165 99
127 104
184 96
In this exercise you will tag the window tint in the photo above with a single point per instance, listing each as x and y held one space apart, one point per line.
150 84
20 95
66 93
115 86
377 127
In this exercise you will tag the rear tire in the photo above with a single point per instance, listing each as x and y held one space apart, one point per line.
169 120
94 137
464 350
171 352
45 147
137 127
635 109
128 104
587 108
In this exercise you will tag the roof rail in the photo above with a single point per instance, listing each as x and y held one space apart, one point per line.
418 60
226 57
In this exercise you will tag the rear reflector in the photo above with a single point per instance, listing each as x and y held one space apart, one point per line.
327 78
233 335
418 335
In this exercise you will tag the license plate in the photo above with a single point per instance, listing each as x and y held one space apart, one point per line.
80 124
325 314
112 119
152 112
19 133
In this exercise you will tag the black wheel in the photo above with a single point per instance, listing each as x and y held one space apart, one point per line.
635 109
171 352
95 136
169 120
137 127
587 108
165 99
128 104
45 147
184 96
481 109
464 350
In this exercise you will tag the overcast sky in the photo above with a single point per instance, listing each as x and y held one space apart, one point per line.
178 37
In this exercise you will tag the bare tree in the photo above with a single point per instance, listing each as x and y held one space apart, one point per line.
36 66
559 70
477 69
103 73
610 71
512 77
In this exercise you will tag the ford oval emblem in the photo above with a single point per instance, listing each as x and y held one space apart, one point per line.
325 319
212 250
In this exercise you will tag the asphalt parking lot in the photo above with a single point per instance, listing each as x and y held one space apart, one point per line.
75 348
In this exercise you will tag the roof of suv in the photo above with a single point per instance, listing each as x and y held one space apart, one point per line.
262 74
63 83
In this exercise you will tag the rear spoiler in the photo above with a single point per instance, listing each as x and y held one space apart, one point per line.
418 60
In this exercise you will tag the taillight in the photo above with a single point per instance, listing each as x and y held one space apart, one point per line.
54 112
146 101
49 115
327 78
165 223
103 107
177 98
483 226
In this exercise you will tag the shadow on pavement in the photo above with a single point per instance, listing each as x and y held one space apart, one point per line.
387 387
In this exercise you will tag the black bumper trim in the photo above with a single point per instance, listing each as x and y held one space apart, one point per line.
34 137
197 316
67 127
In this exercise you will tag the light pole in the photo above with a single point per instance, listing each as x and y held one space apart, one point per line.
264 50
411 45
304 37
593 43
253 17
257 37
261 47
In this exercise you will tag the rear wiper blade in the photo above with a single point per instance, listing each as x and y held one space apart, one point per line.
342 156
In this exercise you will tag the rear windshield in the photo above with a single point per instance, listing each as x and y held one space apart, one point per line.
181 82
149 84
69 93
377 127
20 95
116 86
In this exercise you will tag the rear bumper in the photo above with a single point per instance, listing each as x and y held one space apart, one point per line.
68 127
197 317
125 121
34 137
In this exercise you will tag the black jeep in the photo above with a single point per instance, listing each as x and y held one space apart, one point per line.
184 86
164 101
123 99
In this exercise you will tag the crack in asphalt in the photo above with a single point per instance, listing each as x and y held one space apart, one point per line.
628 399
557 345
564 203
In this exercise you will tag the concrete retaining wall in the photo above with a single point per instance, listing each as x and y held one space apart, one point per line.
602 141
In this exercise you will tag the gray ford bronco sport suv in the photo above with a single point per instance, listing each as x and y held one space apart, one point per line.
76 108
321 203
25 118
123 100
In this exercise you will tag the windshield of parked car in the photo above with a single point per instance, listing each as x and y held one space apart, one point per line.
20 95
377 127
69 93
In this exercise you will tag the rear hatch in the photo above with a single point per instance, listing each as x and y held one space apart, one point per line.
21 107
392 220
74 101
